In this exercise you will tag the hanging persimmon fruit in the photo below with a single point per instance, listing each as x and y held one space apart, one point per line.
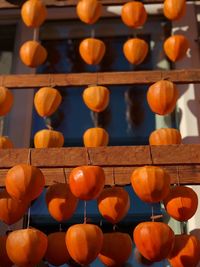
33 13
89 11
47 101
57 253
11 210
150 183
32 54
92 50
135 50
185 252
165 136
154 240
95 137
26 247
162 97
4 259
6 100
116 250
134 14
24 182
174 9
48 138
87 182
176 47
61 203
181 203
84 242
113 204
96 98
5 142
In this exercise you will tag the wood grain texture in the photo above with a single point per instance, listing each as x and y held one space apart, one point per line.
101 78
180 174
181 161
60 3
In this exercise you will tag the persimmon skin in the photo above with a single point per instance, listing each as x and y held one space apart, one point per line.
181 203
57 253
6 100
24 182
47 101
89 11
154 240
165 136
87 182
113 204
84 242
174 9
4 259
176 47
96 98
135 50
48 138
185 252
32 54
92 50
61 203
162 97
150 183
134 14
5 143
11 210
33 13
116 249
26 247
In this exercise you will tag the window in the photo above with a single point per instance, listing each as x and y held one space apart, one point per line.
128 119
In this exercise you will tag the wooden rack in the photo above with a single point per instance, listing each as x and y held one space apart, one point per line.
60 3
182 161
101 78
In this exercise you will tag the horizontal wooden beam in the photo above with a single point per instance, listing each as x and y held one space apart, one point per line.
181 161
102 78
60 3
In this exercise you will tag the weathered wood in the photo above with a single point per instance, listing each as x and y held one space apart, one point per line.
101 78
60 3
183 174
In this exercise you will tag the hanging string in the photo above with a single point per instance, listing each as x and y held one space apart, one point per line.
60 227
178 175
29 157
113 176
88 157
152 214
29 215
35 34
85 211
65 176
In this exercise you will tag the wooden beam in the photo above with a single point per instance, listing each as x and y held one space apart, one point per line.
102 78
181 161
60 3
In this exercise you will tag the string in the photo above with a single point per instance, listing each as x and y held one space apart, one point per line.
85 211
88 157
35 34
29 157
152 214
65 176
177 175
60 227
113 176
29 215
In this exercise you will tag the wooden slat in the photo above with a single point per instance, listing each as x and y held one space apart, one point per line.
188 175
60 3
102 78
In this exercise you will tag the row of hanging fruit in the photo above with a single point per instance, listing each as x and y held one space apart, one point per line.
161 97
84 242
92 50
